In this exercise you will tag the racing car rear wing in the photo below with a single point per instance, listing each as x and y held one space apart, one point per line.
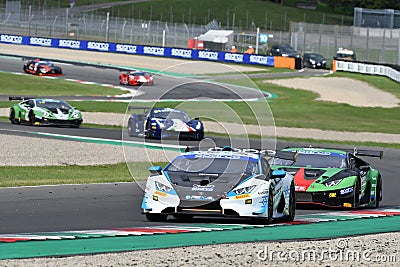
22 98
288 155
367 153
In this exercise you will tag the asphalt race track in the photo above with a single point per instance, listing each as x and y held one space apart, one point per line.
98 206
165 87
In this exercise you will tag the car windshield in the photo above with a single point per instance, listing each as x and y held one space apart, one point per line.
344 55
172 115
313 160
316 57
214 165
287 49
138 73
51 105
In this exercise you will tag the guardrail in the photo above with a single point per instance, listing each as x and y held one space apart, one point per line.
367 68
139 49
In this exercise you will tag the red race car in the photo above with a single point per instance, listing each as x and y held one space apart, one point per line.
41 68
136 77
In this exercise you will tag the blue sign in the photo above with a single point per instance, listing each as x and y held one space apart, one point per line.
263 38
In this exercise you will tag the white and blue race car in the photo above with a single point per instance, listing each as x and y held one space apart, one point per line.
160 123
225 182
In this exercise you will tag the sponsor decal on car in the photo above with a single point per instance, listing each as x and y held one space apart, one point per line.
40 41
216 156
242 196
332 194
189 197
126 48
69 43
300 188
98 46
13 39
207 188
346 190
160 193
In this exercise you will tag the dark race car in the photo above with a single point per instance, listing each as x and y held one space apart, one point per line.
136 77
36 111
161 123
283 50
333 177
42 68
314 60
223 182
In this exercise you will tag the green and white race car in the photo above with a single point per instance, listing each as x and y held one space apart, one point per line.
37 111
333 177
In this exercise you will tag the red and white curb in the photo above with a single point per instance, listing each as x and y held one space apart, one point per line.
177 229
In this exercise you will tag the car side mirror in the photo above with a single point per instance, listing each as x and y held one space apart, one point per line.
197 119
278 174
155 170
364 168
260 177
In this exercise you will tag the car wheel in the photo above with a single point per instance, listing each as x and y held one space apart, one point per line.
130 130
292 205
357 192
378 193
148 131
31 117
12 116
156 217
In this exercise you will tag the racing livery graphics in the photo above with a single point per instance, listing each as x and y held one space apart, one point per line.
224 182
41 68
333 177
44 111
161 123
136 77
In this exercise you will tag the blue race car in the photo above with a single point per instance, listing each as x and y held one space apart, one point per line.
223 182
161 123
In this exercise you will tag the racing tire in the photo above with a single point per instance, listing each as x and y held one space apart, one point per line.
31 118
12 117
183 217
378 193
130 130
156 217
292 205
270 211
357 192
148 132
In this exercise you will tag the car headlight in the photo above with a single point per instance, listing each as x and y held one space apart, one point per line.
312 61
162 187
332 182
45 114
75 115
244 190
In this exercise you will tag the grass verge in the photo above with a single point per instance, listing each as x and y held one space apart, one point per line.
53 175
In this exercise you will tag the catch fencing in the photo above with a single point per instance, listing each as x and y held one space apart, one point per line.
370 44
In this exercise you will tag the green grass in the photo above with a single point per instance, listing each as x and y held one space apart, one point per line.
21 85
292 108
46 175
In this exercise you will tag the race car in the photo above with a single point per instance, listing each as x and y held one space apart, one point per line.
36 111
345 54
333 177
136 77
159 123
222 182
42 68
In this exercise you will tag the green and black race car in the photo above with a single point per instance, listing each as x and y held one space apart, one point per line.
36 111
333 177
